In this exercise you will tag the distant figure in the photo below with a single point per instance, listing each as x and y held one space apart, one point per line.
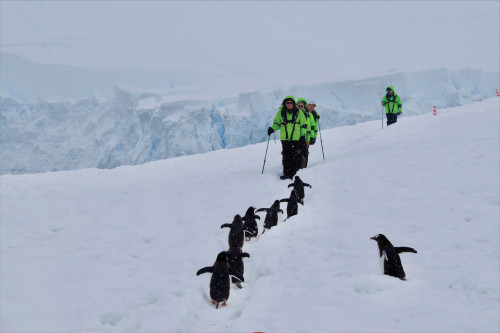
291 122
392 104
315 124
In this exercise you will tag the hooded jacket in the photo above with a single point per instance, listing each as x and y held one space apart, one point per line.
292 124
309 119
392 103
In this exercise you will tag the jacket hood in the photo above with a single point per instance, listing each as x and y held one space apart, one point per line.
390 88
303 100
288 98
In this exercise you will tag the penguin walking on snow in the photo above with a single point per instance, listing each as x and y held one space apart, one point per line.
220 282
236 236
250 223
292 208
271 219
235 257
389 256
298 186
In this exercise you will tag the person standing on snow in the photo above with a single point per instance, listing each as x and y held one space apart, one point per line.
291 123
302 105
314 123
392 104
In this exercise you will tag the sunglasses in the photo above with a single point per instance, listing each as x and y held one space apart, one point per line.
300 106
290 103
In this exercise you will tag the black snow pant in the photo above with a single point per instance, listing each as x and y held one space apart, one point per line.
391 118
292 155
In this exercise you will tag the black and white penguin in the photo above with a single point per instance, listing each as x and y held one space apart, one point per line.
292 208
236 236
271 219
389 257
250 223
235 257
298 186
220 282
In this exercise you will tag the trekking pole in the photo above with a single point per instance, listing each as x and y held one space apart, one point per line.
321 139
269 137
274 137
383 108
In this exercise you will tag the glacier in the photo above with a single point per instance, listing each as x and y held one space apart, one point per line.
136 126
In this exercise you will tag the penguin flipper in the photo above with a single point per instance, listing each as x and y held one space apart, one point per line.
209 269
404 249
262 210
257 217
281 211
285 200
245 255
306 184
236 274
290 185
226 225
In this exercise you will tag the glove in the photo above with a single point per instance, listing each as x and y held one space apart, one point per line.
312 141
400 112
270 130
317 116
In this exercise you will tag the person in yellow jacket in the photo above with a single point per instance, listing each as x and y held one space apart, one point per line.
291 122
392 104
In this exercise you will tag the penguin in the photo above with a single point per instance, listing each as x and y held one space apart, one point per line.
292 208
250 223
389 256
298 186
271 219
235 257
236 236
220 282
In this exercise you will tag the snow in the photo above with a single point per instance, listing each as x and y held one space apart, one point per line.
137 126
98 250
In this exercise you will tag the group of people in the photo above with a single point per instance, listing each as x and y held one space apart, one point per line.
298 123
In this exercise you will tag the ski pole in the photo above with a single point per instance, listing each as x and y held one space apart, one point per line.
321 139
383 108
269 137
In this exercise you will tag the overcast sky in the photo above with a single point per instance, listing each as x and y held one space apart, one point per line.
297 41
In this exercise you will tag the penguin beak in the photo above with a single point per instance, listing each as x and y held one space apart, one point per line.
372 238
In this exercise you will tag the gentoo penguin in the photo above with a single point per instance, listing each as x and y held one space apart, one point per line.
292 208
250 223
236 236
220 282
389 256
271 219
235 257
298 186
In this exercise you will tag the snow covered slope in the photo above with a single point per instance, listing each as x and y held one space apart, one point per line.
135 127
117 250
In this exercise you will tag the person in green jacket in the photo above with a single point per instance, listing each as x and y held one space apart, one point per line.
392 104
291 123
302 105
315 124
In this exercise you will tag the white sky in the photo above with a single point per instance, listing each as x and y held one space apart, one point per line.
296 41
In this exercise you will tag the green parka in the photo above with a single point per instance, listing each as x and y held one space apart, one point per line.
309 119
291 124
314 129
392 103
